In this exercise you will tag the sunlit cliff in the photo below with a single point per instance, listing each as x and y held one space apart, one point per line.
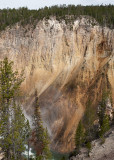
67 65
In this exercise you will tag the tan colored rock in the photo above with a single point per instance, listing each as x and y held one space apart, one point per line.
65 66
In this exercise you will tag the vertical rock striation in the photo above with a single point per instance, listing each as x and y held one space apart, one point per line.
66 64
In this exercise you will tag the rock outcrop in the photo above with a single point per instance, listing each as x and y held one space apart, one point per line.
99 151
66 64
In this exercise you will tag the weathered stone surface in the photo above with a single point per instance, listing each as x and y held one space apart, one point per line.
99 151
65 66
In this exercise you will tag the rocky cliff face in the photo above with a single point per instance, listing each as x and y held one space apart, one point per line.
66 64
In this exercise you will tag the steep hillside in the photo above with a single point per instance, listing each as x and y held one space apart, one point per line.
99 151
66 64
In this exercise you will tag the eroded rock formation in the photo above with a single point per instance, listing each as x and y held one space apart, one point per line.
66 64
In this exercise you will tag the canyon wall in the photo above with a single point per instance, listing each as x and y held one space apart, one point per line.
67 65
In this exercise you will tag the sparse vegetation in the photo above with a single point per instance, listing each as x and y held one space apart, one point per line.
87 131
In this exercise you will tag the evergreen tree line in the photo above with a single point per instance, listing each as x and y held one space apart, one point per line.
87 130
104 14
15 132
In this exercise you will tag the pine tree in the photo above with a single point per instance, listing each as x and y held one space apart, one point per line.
46 150
19 131
113 117
105 125
79 136
88 145
102 110
103 118
88 120
41 135
27 139
12 120
63 158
